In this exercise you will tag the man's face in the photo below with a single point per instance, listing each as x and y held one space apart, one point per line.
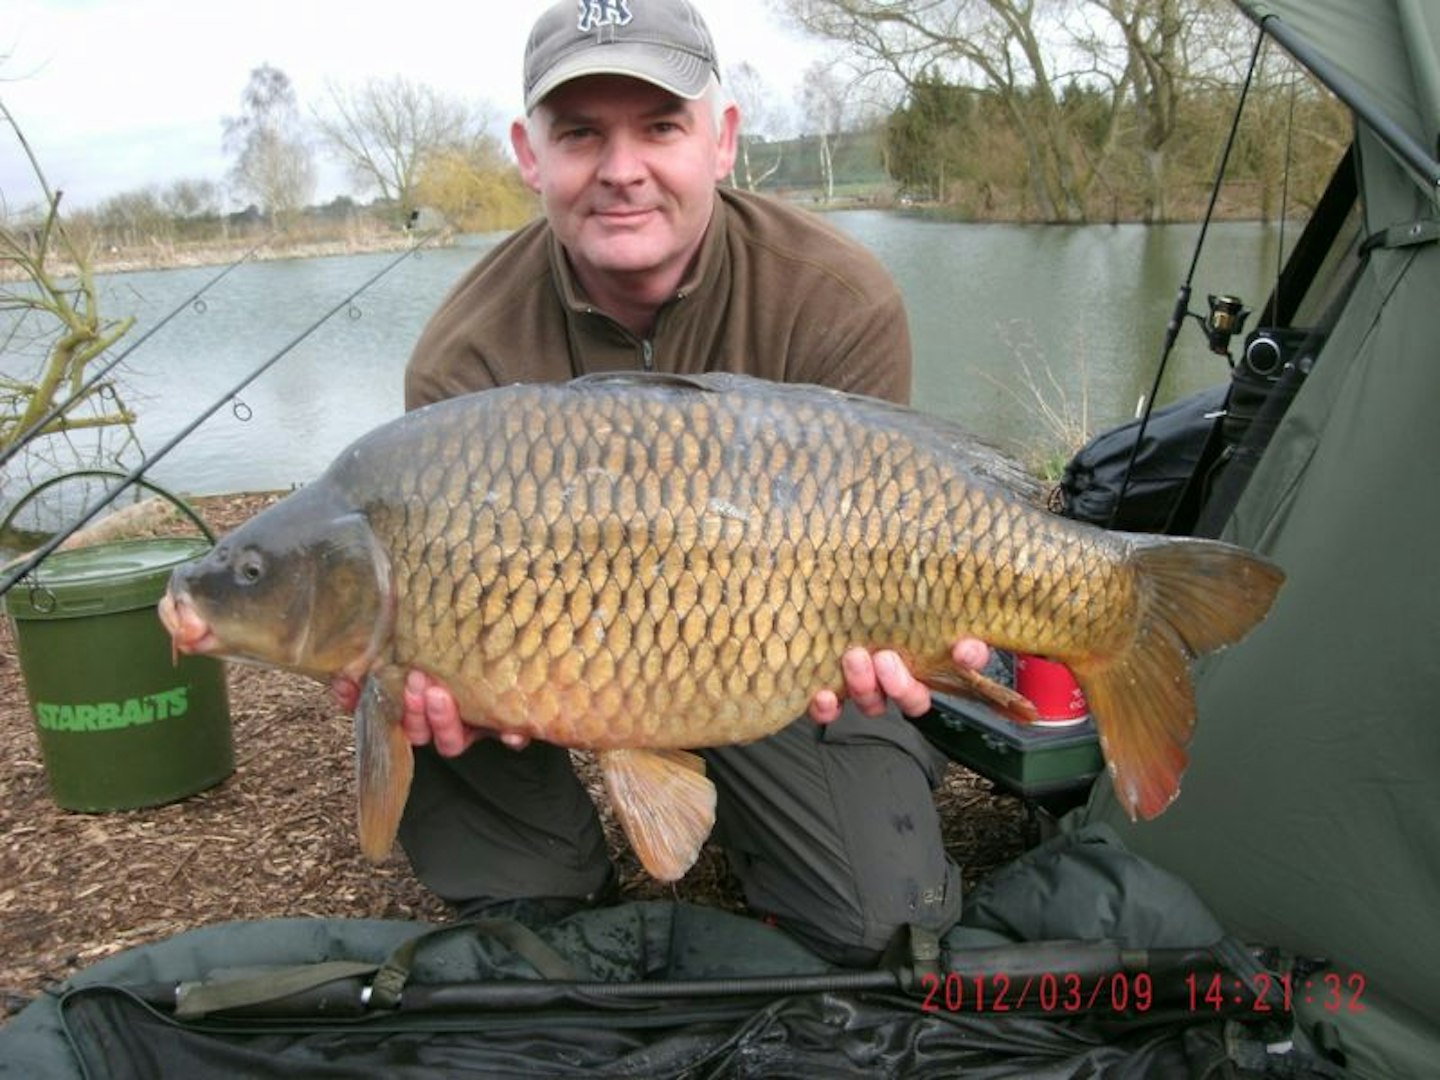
627 175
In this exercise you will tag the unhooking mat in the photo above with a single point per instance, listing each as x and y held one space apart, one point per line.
1079 959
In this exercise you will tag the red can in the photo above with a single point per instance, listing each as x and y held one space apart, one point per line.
1056 695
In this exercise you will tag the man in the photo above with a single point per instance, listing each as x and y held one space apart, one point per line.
642 262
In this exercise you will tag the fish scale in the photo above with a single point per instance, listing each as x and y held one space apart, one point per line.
640 565
671 455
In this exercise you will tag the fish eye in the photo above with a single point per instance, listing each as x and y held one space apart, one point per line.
249 568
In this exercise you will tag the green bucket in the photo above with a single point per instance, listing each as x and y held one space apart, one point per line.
121 723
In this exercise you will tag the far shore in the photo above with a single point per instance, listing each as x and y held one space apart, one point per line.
158 255
360 236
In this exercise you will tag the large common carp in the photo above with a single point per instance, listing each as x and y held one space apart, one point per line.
637 565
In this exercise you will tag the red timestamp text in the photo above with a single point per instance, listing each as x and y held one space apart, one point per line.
1049 991
1264 992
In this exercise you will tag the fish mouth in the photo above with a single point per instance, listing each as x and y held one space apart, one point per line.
189 632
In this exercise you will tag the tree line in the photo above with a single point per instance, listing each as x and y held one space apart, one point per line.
1073 110
893 165
402 144
1050 110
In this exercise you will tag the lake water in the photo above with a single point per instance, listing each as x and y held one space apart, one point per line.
1083 307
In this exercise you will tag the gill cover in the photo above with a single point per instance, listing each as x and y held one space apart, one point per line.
303 585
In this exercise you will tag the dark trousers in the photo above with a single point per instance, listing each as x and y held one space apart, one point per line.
832 830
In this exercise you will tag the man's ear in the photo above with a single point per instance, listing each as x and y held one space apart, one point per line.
525 154
728 141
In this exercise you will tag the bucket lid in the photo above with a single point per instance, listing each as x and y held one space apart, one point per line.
118 576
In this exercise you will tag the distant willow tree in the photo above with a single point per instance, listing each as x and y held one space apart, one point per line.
475 189
274 164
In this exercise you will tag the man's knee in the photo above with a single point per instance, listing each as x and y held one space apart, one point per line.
854 929
495 824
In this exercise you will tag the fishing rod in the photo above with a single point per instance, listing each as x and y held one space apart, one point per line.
77 396
44 551
1162 977
1226 314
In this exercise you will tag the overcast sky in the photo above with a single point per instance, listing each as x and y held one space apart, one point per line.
114 95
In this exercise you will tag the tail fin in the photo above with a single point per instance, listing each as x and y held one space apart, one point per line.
1196 596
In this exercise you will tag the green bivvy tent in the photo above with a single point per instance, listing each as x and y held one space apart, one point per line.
1310 815
1305 845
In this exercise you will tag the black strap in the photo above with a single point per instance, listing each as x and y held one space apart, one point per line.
392 976
194 1000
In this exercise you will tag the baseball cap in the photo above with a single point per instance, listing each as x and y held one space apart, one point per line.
664 42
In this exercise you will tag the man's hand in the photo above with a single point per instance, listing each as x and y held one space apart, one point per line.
430 716
873 678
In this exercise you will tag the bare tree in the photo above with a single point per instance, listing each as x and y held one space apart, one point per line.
824 95
274 164
761 117
385 129
191 198
1292 130
52 317
1154 33
135 218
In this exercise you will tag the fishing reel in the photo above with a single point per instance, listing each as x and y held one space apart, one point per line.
1226 319
1267 349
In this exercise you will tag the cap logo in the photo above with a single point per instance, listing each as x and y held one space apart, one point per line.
596 13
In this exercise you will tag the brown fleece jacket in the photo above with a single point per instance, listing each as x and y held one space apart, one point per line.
775 292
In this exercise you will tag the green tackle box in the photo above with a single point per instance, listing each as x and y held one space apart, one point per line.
1052 765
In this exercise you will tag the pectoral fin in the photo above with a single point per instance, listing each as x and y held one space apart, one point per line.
665 805
385 765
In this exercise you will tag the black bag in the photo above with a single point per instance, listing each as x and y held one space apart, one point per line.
1175 442
1190 444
